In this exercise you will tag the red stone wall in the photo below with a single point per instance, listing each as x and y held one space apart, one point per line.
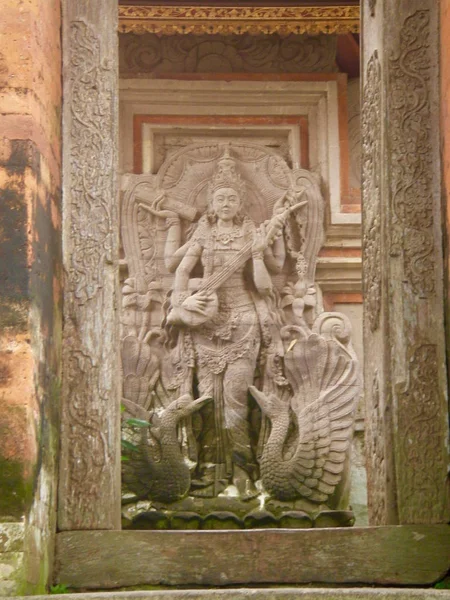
30 269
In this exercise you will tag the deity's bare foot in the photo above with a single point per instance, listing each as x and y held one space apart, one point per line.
244 484
209 491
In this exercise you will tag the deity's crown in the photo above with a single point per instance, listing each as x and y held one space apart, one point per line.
226 175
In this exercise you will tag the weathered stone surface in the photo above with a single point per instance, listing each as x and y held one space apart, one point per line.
90 455
262 594
11 537
408 555
406 385
30 292
12 573
445 152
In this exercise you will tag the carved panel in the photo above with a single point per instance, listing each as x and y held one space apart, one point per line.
371 162
93 88
166 144
411 155
152 53
222 304
88 496
420 443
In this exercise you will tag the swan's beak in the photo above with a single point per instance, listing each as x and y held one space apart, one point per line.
199 402
259 396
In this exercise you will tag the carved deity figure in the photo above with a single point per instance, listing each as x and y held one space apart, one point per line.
247 386
224 321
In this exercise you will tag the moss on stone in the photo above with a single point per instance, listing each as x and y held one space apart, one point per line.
17 491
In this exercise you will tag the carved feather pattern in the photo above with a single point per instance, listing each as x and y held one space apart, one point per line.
323 373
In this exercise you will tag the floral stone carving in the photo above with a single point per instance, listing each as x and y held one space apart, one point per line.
249 389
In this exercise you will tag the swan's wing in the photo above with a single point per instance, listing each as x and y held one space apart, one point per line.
326 392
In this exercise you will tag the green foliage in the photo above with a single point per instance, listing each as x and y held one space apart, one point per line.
137 423
132 422
59 588
126 445
444 584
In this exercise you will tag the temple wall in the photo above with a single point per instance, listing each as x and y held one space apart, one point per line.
30 288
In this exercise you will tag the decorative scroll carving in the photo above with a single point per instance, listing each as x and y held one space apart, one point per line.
84 469
283 20
152 53
93 88
88 475
230 277
411 154
376 465
371 186
420 421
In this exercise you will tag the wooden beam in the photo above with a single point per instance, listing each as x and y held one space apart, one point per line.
402 555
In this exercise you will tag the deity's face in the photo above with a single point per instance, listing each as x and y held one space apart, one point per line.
226 203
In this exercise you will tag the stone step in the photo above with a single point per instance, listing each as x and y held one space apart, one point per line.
260 594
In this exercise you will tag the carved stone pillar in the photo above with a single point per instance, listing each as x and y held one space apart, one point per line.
89 493
405 373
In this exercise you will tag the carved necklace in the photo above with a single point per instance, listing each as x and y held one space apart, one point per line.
225 237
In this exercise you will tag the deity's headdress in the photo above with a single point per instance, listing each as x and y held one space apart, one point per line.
226 175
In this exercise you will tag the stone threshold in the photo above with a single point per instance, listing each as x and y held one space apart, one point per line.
259 594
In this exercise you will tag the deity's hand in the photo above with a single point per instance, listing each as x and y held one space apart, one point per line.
275 226
259 241
171 217
197 303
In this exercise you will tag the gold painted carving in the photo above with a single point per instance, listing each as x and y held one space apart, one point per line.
284 20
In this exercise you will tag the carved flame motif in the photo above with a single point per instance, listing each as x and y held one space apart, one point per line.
224 304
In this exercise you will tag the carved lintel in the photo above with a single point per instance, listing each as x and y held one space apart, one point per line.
284 20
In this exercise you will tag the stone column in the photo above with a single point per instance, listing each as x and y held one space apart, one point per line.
30 290
89 492
405 371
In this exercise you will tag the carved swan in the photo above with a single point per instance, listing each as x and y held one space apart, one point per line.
311 424
160 472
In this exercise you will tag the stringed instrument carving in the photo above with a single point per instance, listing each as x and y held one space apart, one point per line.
180 315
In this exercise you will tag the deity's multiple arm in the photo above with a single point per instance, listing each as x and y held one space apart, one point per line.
275 255
197 302
261 277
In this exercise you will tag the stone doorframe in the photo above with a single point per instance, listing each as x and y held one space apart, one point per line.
406 385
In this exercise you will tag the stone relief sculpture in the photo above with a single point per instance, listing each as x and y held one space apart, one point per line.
248 387
188 53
